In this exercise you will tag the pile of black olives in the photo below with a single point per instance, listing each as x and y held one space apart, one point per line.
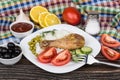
10 51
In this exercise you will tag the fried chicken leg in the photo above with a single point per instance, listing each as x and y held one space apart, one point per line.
71 41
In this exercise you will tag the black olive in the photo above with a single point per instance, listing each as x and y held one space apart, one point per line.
17 47
7 56
13 55
11 45
4 53
1 49
1 56
17 52
4 50
10 51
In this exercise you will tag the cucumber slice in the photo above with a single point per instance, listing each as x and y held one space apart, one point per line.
73 52
86 50
76 58
78 52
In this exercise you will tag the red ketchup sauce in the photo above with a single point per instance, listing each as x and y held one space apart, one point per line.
21 27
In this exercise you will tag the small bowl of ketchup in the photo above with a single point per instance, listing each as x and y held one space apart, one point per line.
21 29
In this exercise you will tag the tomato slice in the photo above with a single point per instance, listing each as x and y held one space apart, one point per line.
47 55
62 58
109 41
110 54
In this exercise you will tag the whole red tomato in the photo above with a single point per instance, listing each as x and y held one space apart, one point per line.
71 15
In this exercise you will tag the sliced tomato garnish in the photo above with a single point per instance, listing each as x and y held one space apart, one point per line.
109 53
47 55
109 41
62 58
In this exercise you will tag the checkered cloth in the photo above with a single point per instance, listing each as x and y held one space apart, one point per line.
108 17
10 9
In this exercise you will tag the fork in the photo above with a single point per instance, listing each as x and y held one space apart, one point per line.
90 60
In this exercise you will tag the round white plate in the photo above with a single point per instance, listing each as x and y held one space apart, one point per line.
89 41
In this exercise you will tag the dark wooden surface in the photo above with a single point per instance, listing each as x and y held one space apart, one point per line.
25 70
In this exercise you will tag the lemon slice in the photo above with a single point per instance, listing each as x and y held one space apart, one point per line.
51 19
35 11
41 19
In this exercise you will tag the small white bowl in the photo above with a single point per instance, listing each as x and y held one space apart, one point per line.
11 61
22 34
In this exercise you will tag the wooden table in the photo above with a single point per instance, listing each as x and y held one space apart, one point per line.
25 70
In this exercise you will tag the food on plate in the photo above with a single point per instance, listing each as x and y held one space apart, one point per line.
32 44
35 11
80 53
62 58
46 35
55 47
86 50
10 51
109 53
71 15
21 27
50 55
109 41
71 41
71 65
47 55
54 34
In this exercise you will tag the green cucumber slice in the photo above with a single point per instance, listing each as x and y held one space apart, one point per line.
86 50
78 52
73 52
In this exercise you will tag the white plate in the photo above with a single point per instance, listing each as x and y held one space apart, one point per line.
89 41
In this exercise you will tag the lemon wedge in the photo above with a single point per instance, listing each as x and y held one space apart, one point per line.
51 19
35 11
41 19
